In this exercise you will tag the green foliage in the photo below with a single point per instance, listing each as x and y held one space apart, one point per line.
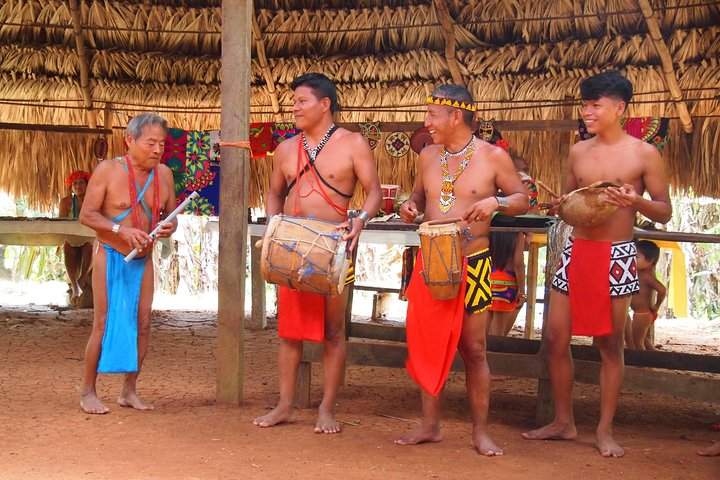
38 264
699 215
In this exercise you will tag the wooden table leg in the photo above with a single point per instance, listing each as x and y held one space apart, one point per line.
531 280
258 317
302 387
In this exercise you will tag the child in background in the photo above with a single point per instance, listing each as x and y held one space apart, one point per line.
507 281
646 303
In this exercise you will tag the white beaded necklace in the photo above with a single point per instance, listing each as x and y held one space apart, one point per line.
312 153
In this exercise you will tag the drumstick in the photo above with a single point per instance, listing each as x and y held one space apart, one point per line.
547 189
442 221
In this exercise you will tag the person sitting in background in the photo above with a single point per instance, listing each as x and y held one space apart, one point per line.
78 259
507 280
645 310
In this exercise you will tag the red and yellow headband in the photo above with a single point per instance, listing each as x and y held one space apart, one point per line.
78 174
451 103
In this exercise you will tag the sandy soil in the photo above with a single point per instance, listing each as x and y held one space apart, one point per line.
45 435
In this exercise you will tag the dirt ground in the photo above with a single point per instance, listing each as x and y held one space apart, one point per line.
45 435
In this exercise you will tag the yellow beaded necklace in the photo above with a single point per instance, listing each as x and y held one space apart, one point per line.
447 187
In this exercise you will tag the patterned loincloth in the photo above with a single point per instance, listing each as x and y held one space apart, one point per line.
478 295
622 272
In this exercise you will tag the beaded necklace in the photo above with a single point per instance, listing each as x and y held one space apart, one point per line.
447 187
312 153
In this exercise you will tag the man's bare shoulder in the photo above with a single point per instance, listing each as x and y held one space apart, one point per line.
431 151
582 146
490 151
351 139
286 147
105 168
645 149
164 170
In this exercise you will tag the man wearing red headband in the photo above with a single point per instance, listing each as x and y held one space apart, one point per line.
78 259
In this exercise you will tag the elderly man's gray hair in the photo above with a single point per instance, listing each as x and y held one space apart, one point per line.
137 124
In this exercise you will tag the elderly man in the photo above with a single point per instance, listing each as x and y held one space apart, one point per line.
125 199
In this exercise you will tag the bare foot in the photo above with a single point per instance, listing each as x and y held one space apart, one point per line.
484 445
326 423
711 451
132 400
421 434
552 431
90 403
607 446
275 416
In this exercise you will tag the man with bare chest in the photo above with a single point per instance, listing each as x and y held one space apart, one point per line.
125 199
459 176
314 175
603 256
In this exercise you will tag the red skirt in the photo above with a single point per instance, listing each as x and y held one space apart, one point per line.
433 331
301 315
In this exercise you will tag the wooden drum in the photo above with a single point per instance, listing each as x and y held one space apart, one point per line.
305 254
442 258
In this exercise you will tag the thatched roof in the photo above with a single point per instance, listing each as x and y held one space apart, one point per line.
522 60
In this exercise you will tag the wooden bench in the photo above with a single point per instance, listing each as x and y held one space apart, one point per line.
521 357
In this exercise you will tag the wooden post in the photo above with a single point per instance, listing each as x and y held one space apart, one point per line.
302 385
258 317
448 28
108 125
85 88
531 281
545 407
235 126
668 66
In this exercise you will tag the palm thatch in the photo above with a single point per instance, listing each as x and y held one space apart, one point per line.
522 61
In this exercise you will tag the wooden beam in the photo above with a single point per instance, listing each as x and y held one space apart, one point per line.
235 125
533 366
448 28
502 125
262 58
108 124
637 358
667 65
83 63
55 128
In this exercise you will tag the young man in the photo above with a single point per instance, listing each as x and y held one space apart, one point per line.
123 203
78 259
601 255
314 175
458 176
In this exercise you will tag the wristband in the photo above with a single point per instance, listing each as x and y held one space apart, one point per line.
502 203
116 228
363 215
